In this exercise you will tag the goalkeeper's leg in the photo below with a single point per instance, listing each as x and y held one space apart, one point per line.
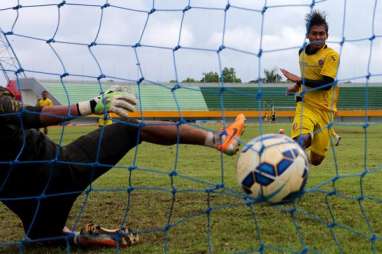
101 149
62 181
92 155
169 133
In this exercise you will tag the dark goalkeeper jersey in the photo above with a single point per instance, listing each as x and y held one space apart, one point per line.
21 148
20 140
39 180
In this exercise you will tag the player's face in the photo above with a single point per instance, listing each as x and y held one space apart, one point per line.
317 36
44 95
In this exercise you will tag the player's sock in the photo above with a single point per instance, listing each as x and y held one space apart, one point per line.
304 140
211 139
338 139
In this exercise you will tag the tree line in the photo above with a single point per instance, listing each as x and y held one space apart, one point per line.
229 76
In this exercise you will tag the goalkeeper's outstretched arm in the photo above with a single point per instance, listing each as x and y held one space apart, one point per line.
120 103
14 112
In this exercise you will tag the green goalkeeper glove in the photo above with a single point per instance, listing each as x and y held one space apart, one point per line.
117 102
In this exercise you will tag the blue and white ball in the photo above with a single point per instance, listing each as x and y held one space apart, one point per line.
272 168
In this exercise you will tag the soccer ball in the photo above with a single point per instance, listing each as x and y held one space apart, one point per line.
272 168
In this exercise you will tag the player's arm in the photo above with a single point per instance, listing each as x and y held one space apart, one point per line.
57 114
293 78
13 112
324 84
120 103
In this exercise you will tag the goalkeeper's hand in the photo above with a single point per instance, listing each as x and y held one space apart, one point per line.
117 102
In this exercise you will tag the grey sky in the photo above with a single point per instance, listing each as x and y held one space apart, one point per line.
202 28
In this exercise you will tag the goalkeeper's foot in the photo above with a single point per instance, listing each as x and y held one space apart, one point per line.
230 136
96 236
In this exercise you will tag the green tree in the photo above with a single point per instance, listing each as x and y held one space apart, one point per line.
210 77
229 75
189 80
271 76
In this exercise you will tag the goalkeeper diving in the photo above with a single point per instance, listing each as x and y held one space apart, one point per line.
40 180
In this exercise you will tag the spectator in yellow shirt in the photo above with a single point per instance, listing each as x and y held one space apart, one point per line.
44 101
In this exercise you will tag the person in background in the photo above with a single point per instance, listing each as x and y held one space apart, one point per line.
44 101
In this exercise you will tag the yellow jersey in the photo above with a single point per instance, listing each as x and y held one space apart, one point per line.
103 121
44 102
313 67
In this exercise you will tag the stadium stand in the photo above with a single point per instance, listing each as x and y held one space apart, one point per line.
161 98
354 98
198 100
75 91
242 98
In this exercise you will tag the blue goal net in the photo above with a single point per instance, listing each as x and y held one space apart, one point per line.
197 63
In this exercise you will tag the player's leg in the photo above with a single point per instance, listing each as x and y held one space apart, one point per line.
319 146
87 158
304 140
321 139
306 131
337 138
95 153
44 217
169 133
36 194
316 159
303 126
101 149
104 147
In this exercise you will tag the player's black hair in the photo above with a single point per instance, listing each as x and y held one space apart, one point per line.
316 18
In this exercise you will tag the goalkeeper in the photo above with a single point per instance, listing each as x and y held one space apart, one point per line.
40 180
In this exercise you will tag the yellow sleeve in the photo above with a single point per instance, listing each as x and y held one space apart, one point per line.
330 66
50 103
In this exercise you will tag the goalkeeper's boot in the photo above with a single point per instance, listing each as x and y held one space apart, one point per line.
93 235
231 135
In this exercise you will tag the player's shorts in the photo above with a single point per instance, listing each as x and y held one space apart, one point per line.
311 120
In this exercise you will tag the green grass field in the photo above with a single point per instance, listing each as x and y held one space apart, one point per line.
231 227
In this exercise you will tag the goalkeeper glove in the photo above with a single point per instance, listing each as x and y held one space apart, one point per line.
120 103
